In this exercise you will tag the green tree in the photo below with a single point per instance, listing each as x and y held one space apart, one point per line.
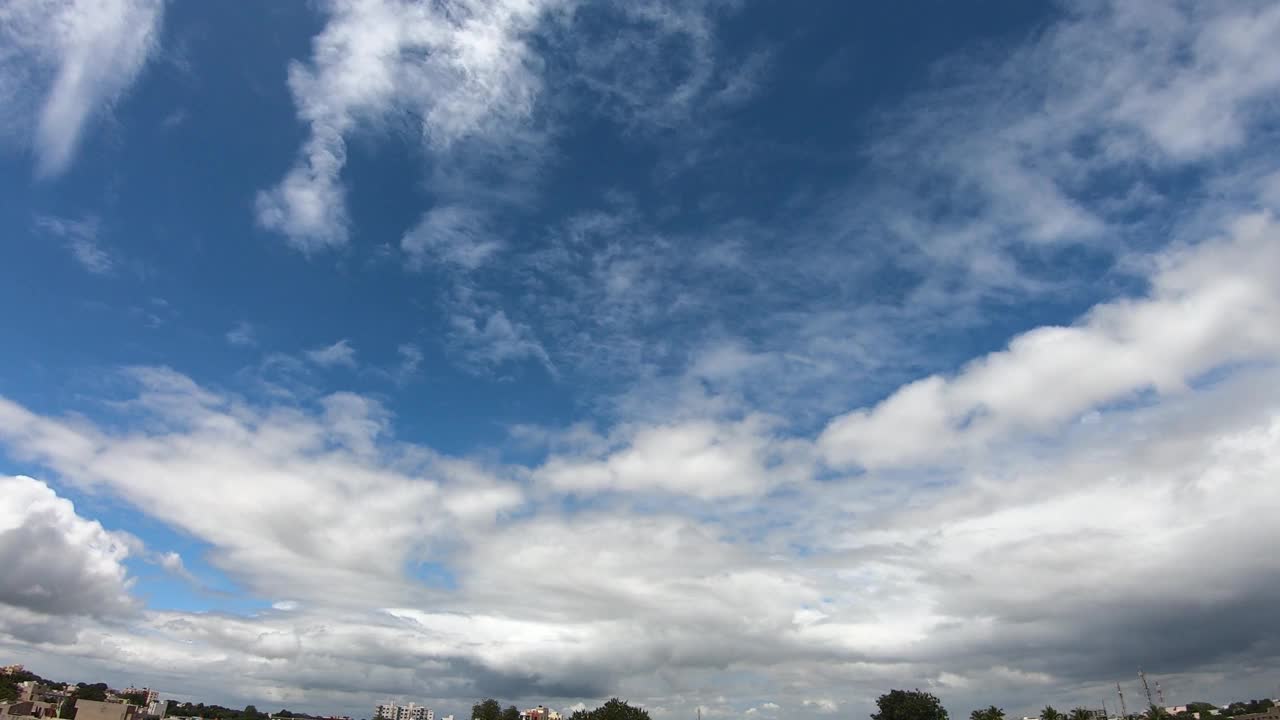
511 713
96 691
251 712
1048 713
487 709
1155 712
990 713
1080 713
614 709
909 705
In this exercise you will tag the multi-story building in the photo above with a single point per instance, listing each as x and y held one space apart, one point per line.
539 713
391 711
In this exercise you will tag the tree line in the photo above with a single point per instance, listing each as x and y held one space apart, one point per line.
920 705
614 709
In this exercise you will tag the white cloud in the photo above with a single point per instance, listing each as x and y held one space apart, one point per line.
451 235
825 706
464 71
702 458
55 561
341 353
1208 306
243 335
81 238
410 363
64 61
488 339
247 472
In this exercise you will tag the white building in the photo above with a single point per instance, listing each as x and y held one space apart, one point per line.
391 711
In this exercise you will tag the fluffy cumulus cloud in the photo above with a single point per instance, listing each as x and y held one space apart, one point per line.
57 563
64 61
1209 306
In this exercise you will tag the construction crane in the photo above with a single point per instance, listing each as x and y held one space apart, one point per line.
1146 688
1124 711
1159 694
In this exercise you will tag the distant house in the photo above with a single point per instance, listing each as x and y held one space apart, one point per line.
94 710
1271 713
28 709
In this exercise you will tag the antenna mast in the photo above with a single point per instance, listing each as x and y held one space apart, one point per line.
1159 693
1124 712
1146 688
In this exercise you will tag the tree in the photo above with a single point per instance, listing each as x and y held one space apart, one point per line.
909 705
991 713
1080 713
1155 712
134 698
251 712
96 691
487 709
614 709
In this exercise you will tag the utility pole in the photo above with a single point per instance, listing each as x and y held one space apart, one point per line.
1124 711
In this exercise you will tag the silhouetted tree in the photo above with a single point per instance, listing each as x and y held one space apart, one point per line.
614 709
1080 713
487 709
990 713
909 705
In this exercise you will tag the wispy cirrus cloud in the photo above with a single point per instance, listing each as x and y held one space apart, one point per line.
461 73
62 62
243 334
81 239
339 354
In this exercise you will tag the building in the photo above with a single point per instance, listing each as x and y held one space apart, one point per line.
1271 713
149 696
391 711
11 669
28 709
539 713
94 710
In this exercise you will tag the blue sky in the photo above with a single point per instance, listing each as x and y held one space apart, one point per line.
720 355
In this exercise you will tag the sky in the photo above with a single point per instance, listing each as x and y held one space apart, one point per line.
753 358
